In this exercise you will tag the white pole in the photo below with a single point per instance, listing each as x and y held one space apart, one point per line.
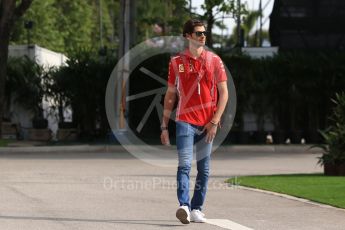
260 30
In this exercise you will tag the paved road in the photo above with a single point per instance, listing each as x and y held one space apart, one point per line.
108 189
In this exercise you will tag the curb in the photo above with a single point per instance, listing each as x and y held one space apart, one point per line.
289 197
270 149
114 148
55 149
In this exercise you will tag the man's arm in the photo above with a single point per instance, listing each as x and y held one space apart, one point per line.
212 126
222 101
169 102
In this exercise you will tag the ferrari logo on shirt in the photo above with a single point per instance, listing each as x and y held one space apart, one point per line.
180 68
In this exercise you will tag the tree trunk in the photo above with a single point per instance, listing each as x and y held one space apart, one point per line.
9 12
210 22
6 15
3 61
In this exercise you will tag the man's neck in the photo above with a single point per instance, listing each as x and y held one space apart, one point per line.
196 51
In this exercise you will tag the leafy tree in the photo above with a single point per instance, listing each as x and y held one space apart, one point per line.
170 15
213 10
69 26
75 25
45 31
247 26
10 12
110 15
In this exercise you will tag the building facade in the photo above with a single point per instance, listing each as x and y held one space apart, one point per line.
308 25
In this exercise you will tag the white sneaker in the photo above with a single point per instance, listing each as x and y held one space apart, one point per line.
197 216
183 214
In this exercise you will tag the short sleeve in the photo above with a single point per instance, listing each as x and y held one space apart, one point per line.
171 74
219 70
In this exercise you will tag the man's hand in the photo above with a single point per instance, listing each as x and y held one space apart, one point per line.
211 130
165 137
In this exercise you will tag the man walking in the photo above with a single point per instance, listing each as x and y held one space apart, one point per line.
196 79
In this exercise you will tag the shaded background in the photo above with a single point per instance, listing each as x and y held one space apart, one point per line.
286 94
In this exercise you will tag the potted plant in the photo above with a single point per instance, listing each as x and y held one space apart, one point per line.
333 157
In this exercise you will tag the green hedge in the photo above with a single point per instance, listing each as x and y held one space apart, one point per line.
82 85
24 84
292 89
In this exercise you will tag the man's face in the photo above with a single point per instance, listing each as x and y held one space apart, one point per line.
198 36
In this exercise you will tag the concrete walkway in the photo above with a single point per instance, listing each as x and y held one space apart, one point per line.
104 187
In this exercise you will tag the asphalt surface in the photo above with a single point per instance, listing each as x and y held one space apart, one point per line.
105 187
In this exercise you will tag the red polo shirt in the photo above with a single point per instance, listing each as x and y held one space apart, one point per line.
196 83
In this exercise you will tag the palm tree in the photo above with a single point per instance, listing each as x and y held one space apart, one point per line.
214 12
247 25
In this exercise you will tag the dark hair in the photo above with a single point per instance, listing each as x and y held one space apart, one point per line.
188 27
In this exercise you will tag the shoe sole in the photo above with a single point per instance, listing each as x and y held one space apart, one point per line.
198 221
182 215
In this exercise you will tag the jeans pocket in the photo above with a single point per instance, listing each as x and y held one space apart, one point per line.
182 129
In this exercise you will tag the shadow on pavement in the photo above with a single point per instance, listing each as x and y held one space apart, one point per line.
139 222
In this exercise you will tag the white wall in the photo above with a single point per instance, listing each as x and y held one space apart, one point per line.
43 56
259 52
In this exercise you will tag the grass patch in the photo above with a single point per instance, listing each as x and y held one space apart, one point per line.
3 143
316 187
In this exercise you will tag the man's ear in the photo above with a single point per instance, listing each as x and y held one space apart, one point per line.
188 35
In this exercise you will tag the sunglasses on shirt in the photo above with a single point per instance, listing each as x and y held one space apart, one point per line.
199 33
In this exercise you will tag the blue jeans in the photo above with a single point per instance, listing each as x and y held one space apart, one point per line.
188 136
